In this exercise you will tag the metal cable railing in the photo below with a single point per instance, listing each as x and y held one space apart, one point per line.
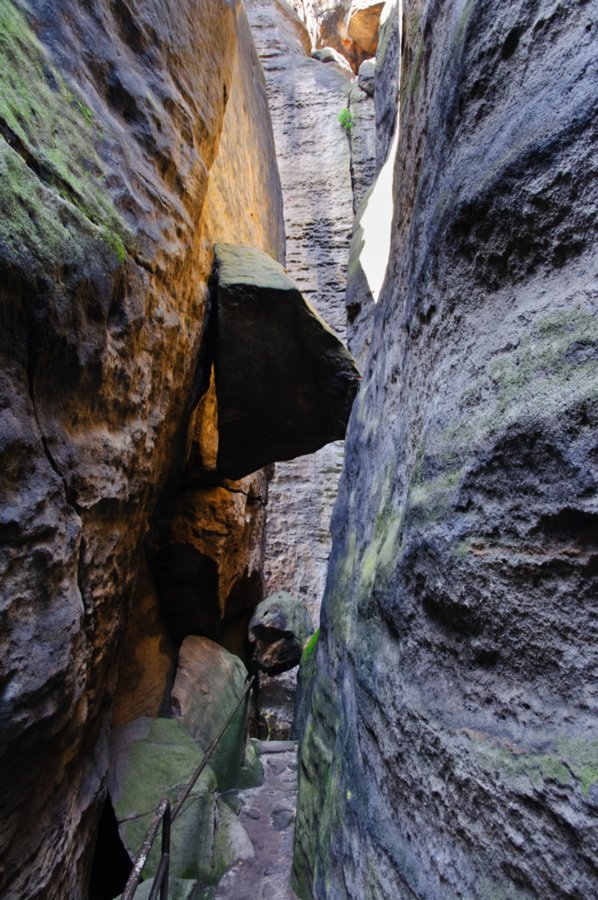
165 816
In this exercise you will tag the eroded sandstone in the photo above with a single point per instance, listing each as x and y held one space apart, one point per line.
450 742
209 684
112 118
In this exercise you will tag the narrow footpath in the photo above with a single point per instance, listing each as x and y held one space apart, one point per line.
268 815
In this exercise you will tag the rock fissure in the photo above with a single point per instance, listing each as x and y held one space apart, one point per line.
42 437
197 206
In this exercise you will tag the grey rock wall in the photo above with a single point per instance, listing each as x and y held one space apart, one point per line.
362 137
451 743
306 97
314 157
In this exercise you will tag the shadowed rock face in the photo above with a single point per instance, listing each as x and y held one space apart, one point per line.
278 630
451 742
113 118
206 552
284 382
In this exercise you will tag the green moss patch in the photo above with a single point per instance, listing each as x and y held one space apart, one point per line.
310 647
554 368
563 760
429 500
48 139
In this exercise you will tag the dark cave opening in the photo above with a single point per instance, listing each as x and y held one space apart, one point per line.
111 864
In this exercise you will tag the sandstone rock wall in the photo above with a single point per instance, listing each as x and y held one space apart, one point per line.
450 747
325 21
112 116
374 141
306 97
314 157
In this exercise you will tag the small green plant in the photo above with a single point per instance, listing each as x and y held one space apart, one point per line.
310 647
84 110
345 119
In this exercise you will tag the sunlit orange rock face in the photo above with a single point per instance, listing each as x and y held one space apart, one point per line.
131 139
362 24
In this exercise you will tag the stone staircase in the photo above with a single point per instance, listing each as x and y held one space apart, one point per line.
267 813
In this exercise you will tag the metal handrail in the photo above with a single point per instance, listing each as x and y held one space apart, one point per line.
165 816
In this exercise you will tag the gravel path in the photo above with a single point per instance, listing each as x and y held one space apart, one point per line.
268 815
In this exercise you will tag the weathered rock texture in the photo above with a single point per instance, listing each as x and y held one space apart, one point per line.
112 117
147 657
362 139
206 551
155 758
306 97
373 149
387 77
279 628
363 20
326 22
209 683
451 746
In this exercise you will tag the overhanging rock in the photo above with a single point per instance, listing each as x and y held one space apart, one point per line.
285 384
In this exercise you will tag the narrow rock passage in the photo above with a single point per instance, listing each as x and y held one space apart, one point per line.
268 815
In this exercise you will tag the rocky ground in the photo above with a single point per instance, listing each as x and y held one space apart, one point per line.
268 814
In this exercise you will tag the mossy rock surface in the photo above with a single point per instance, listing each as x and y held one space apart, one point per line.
53 196
208 685
154 758
252 770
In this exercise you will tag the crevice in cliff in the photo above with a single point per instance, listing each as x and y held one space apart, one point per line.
111 865
44 441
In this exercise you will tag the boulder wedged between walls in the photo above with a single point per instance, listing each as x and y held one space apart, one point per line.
278 630
285 384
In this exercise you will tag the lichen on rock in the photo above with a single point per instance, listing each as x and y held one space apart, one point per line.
449 729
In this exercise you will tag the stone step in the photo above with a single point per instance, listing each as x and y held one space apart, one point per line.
262 747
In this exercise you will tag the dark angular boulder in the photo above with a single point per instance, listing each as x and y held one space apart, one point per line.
279 628
285 384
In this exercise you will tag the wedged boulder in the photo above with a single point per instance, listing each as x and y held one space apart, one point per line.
362 24
208 684
154 758
366 77
285 384
330 55
278 630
